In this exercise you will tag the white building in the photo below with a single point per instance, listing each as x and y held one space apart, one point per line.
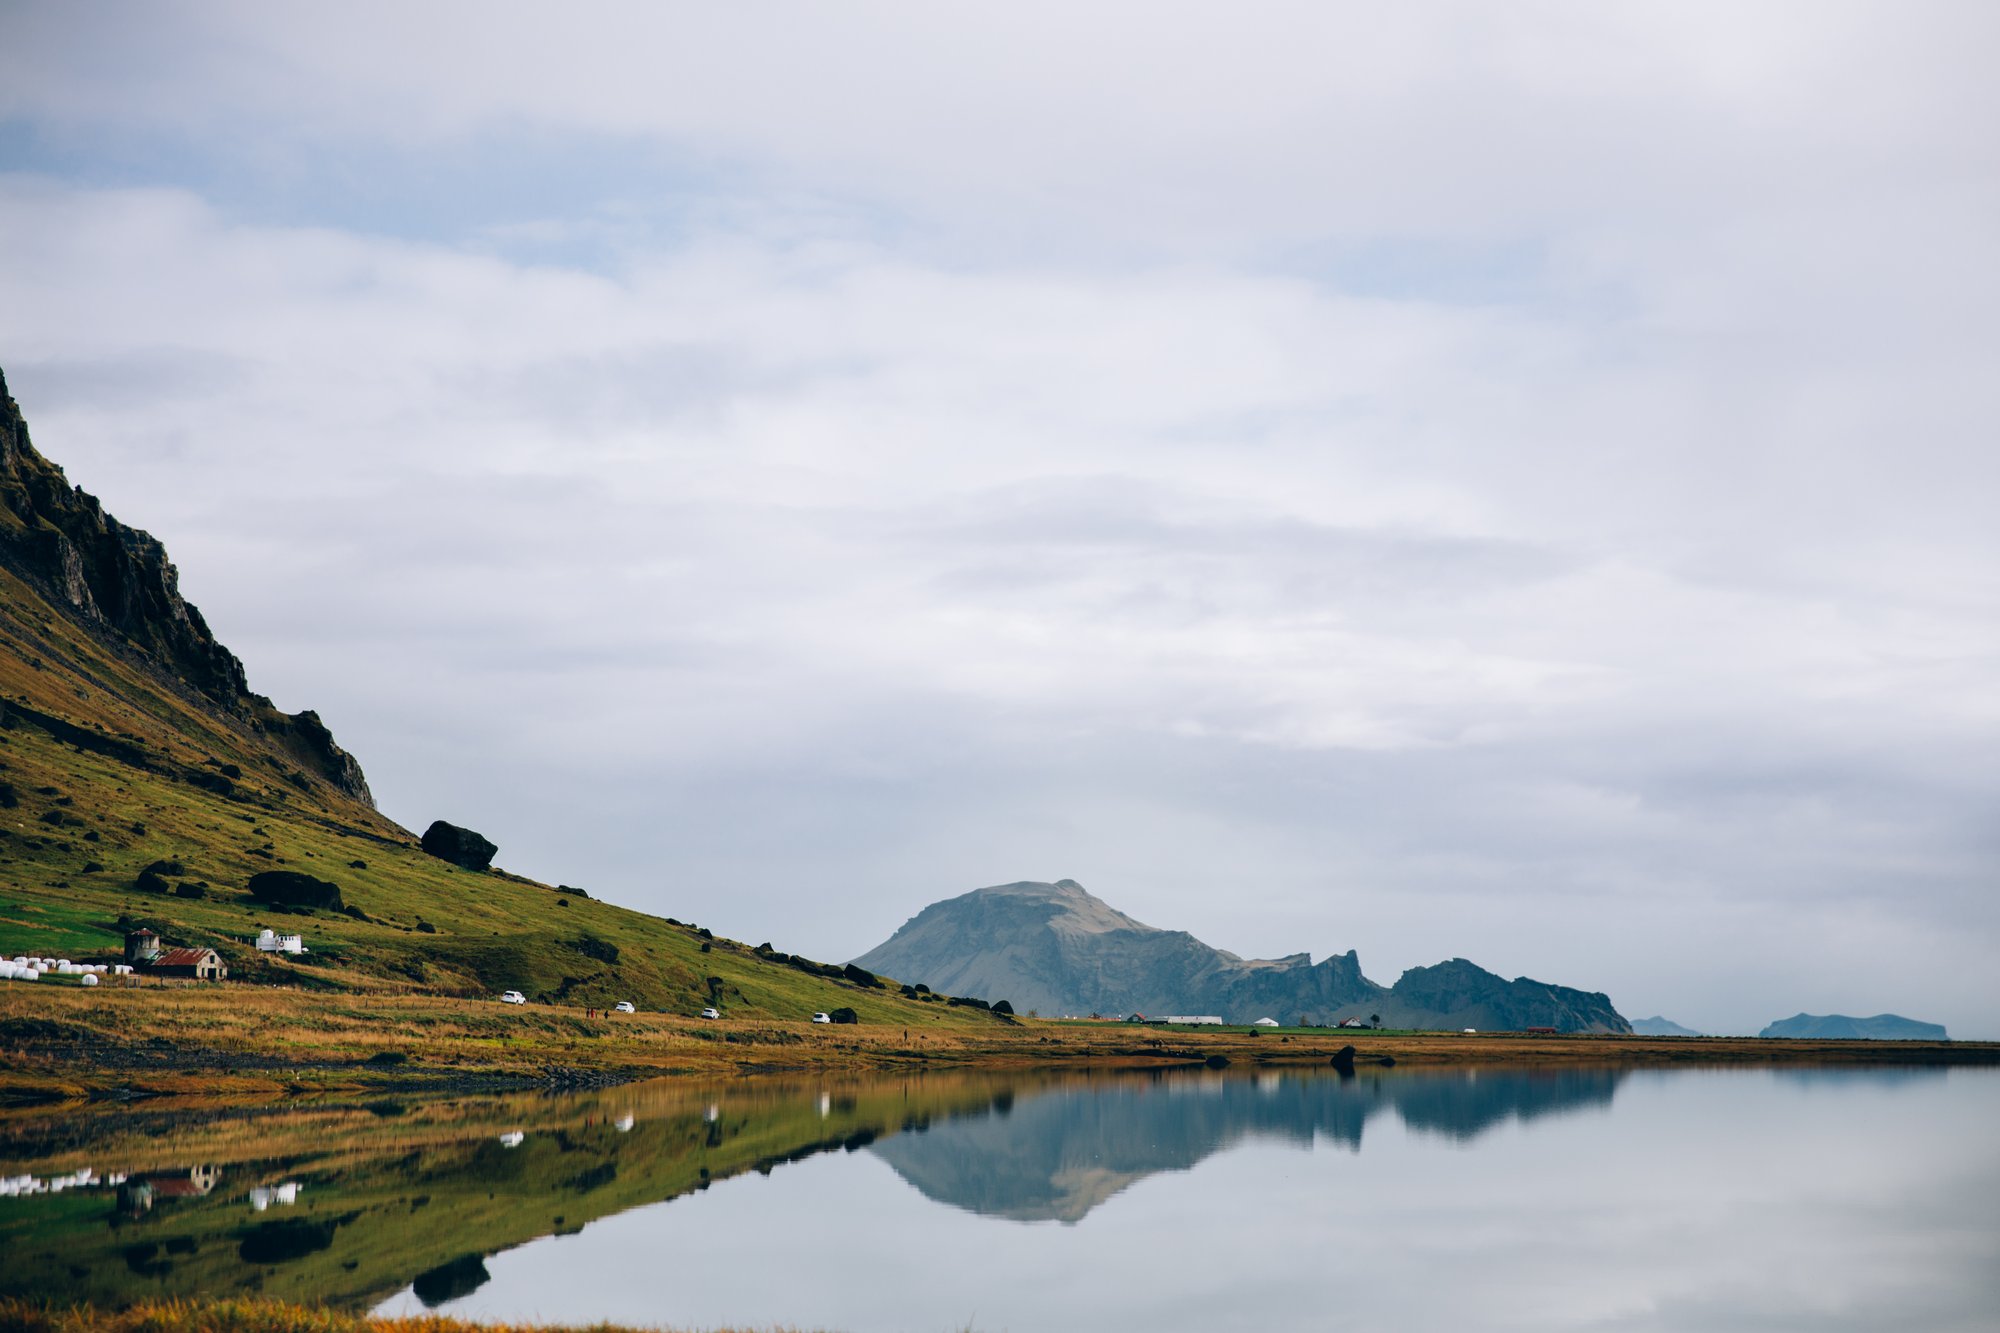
1215 1019
270 941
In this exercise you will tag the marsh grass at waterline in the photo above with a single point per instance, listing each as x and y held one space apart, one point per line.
239 1316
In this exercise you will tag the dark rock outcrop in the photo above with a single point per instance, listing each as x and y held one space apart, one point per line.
117 582
1839 1027
289 888
1055 949
460 846
1459 994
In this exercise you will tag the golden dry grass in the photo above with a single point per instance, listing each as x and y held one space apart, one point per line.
257 1043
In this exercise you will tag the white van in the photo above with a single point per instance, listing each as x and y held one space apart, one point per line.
513 997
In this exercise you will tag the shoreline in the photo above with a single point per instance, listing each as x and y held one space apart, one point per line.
70 1046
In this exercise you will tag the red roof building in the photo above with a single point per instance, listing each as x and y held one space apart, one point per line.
201 964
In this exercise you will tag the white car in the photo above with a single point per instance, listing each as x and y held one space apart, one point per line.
512 997
626 1007
711 1013
822 1018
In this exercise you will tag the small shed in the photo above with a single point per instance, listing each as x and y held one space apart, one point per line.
201 964
142 946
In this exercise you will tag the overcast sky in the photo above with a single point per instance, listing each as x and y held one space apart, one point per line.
1516 482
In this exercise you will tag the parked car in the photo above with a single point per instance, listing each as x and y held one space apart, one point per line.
822 1018
626 1007
711 1013
512 997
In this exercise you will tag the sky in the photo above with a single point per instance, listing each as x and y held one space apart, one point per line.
1512 482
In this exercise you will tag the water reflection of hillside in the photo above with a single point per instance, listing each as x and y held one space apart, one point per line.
346 1204
1060 1153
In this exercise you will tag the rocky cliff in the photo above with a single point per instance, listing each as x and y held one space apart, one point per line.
118 583
1056 949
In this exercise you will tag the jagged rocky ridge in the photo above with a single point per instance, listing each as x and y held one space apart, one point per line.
117 582
1056 949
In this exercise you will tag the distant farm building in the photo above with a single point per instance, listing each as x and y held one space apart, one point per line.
142 946
1351 1023
1213 1019
270 941
1265 1023
201 964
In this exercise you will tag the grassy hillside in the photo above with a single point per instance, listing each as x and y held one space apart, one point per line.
109 768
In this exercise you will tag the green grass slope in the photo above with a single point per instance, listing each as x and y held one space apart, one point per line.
123 743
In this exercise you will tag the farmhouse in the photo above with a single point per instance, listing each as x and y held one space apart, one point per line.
201 964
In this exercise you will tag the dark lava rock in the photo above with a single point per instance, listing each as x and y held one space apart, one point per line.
1343 1058
843 1016
861 976
460 846
1218 1062
294 889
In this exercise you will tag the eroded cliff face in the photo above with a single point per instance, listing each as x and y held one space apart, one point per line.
1056 949
117 582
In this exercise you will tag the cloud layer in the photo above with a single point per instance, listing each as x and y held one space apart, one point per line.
1516 485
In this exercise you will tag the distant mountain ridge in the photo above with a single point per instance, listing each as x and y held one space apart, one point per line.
1056 949
1662 1027
1839 1027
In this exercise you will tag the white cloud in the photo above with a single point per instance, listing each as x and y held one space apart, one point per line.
1003 468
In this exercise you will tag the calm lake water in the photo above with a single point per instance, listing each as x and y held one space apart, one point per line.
1586 1199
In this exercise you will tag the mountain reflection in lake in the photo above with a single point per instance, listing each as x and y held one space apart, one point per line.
1578 1198
1060 1154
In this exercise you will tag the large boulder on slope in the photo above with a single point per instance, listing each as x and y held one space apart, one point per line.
460 846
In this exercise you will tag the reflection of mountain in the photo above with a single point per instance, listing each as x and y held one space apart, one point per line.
1058 1154
345 1205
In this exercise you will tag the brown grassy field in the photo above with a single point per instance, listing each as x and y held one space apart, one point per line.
256 1043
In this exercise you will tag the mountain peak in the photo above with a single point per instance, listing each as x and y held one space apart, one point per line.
1054 948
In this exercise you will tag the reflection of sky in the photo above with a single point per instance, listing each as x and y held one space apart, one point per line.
1697 1201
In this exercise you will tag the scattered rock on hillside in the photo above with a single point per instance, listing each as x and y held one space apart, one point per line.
293 889
460 846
